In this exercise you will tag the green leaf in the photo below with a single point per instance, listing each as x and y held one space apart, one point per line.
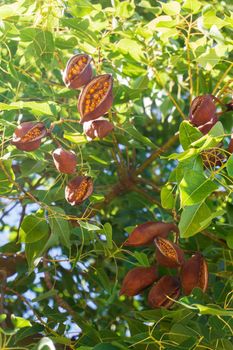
230 239
192 163
75 138
171 8
2 317
81 8
195 187
167 197
141 258
7 176
213 310
125 9
230 166
20 322
59 226
212 139
108 233
33 228
132 131
89 227
46 295
34 251
44 46
188 134
140 82
192 5
191 219
45 344
38 108
208 59
131 47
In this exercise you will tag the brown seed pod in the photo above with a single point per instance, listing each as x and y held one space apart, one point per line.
168 254
97 128
145 234
230 146
96 98
194 273
167 286
78 189
65 161
202 110
138 279
27 136
212 158
78 71
205 128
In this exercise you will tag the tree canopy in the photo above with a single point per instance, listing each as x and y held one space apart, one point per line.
66 218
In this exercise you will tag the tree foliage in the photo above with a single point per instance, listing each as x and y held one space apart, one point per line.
62 266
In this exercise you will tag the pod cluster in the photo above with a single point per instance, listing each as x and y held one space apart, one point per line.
28 136
95 98
165 289
203 115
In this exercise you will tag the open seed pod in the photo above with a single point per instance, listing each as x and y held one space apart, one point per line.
212 158
202 110
78 190
168 254
145 234
27 136
65 161
194 273
97 128
78 71
167 286
96 98
138 279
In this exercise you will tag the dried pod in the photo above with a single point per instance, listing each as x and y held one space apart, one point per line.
168 254
194 273
138 279
202 110
146 233
97 128
78 189
205 128
65 161
27 136
96 98
212 158
78 71
167 286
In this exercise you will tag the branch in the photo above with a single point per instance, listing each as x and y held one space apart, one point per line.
156 154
